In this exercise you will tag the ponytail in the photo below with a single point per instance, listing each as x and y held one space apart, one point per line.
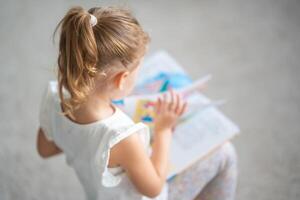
77 57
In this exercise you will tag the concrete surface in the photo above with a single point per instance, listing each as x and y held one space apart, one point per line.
251 47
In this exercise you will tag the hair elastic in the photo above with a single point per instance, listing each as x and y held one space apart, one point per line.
93 20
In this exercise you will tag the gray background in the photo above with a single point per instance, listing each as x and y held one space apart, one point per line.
251 47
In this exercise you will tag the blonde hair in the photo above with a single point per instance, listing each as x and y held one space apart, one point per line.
85 50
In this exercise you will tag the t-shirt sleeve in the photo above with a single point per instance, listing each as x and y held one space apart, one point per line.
127 131
45 114
108 179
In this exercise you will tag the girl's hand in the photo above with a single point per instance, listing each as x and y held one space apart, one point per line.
168 110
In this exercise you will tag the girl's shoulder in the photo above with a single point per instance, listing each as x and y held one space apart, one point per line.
118 126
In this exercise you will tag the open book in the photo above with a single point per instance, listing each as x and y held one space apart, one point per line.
199 131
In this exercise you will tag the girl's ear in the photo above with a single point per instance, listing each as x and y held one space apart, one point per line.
120 79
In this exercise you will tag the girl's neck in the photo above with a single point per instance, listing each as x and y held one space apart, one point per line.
95 108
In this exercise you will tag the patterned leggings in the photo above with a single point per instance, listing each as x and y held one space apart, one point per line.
213 178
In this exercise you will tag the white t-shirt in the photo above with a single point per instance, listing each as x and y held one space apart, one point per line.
87 148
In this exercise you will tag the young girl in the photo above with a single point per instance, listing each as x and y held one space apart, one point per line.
100 52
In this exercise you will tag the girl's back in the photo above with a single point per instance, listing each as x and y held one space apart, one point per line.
99 56
87 147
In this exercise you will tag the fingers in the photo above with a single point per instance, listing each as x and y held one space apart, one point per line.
158 105
176 104
182 105
174 100
179 105
179 100
164 104
183 108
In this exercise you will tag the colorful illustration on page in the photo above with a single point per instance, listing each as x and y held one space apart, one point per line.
144 112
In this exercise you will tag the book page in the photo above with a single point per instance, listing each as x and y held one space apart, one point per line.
195 138
201 129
